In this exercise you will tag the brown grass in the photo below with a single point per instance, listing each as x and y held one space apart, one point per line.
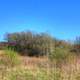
68 71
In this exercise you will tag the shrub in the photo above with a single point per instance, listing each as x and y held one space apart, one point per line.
11 57
60 56
31 44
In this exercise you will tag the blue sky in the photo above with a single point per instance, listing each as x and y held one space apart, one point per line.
60 18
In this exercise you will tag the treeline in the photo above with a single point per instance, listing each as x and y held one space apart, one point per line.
39 44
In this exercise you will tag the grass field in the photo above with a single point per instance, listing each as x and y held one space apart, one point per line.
33 68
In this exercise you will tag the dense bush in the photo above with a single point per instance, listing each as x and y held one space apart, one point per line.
31 44
35 44
61 52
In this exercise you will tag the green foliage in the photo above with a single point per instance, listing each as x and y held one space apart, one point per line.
59 55
12 57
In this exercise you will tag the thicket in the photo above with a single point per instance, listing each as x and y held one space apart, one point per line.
41 44
31 44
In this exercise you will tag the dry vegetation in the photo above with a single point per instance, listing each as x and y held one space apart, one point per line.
30 56
35 68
